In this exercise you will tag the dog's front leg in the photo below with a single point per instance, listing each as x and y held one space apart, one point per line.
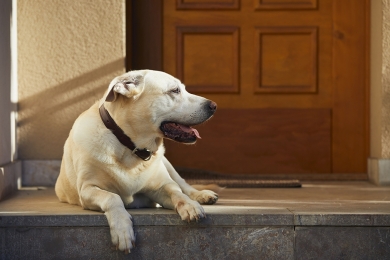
170 196
201 196
119 220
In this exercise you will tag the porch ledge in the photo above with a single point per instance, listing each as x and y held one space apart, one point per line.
331 220
315 204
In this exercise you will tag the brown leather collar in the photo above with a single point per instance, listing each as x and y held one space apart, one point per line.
109 122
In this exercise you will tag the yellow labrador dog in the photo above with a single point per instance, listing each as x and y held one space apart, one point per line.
114 155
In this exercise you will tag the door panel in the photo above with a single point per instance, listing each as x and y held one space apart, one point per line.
289 78
207 4
350 142
290 52
285 4
274 141
193 47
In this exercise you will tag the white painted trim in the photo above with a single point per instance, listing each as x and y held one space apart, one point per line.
14 81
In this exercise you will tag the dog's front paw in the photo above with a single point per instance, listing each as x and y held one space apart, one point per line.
121 229
205 197
190 210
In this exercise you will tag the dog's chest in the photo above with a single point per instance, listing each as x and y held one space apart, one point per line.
130 178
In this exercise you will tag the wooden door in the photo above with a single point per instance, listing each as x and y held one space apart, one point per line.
289 78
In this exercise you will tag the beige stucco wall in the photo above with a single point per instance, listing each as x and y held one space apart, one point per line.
376 79
379 161
68 51
380 79
386 80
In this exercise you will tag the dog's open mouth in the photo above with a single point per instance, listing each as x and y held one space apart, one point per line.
179 133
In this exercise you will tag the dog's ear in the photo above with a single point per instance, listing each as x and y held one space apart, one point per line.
130 85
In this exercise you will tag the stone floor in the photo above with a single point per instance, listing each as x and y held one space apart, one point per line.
321 220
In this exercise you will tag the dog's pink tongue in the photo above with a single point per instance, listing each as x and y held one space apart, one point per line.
196 133
189 129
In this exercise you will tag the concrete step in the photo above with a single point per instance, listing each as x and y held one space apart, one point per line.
343 220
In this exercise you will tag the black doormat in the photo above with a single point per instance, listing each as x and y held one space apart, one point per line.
202 177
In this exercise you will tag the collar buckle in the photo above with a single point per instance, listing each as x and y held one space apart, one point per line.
144 154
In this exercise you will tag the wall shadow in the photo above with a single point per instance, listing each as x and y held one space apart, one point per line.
45 118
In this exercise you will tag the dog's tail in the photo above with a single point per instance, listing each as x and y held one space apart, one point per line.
213 187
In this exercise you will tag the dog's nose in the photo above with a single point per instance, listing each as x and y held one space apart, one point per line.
213 105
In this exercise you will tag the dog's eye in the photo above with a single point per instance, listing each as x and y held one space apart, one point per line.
176 90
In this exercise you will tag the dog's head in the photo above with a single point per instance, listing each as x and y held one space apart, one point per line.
159 102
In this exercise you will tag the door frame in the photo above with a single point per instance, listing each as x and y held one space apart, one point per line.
139 43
